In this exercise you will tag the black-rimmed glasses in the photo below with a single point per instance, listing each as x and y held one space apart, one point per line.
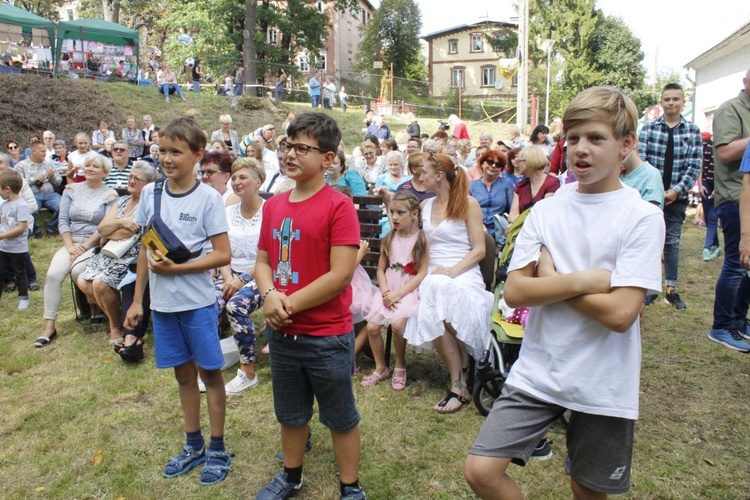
303 149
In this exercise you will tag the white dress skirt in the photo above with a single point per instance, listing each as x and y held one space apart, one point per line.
461 301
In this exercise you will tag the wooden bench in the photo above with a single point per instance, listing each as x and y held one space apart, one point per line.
369 229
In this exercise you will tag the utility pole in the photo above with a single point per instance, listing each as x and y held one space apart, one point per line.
523 70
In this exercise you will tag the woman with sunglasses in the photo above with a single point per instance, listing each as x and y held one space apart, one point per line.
15 153
493 191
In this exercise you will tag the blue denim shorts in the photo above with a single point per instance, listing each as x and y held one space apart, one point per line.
304 368
184 336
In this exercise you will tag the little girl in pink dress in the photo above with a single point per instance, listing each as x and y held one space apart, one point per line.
402 267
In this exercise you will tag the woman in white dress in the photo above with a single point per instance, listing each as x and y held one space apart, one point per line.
454 311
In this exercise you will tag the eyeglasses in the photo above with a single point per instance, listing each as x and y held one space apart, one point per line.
369 155
119 150
13 147
133 178
303 149
208 173
493 163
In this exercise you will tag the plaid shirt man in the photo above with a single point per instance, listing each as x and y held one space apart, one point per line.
688 152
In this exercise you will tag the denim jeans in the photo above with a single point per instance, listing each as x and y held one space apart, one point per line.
239 88
709 214
733 287
196 86
315 100
50 201
166 87
674 216
305 368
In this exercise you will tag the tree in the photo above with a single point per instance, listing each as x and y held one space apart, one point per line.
47 9
392 36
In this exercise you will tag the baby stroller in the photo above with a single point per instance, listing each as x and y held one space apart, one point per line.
504 343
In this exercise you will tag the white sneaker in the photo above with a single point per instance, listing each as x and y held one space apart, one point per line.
167 98
23 304
201 385
240 383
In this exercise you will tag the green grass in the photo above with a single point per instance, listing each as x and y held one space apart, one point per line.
65 404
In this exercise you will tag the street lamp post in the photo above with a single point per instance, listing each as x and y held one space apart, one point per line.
547 45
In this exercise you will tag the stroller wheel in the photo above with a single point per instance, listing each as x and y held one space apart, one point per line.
485 395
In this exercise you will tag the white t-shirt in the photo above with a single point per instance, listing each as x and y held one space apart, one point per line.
79 160
567 358
193 217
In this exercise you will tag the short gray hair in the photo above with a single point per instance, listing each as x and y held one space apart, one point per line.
102 162
430 146
485 135
395 154
145 167
5 158
60 142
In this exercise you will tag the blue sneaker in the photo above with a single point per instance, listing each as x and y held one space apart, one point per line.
279 488
746 332
729 338
217 467
185 461
352 493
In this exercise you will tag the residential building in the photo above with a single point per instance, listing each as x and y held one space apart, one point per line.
463 57
718 75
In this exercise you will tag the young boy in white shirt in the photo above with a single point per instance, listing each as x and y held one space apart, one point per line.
583 262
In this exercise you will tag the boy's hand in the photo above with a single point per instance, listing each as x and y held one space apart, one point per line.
545 266
277 308
163 266
134 315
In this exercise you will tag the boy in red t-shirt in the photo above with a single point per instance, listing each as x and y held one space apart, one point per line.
306 258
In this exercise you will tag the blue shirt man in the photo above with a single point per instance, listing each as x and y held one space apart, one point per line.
379 129
314 86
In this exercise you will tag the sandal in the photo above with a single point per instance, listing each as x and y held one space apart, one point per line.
132 352
374 378
115 342
184 462
398 383
34 286
10 287
446 400
217 467
45 339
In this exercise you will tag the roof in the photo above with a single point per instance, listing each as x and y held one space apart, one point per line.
97 30
465 27
728 44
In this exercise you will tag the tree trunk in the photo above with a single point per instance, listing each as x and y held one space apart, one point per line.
249 54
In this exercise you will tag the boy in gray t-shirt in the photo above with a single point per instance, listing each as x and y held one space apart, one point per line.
14 244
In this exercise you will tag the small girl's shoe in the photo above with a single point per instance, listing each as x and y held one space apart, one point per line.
398 383
374 378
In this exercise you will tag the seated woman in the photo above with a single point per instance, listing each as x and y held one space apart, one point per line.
338 175
536 185
493 191
168 84
102 277
370 166
236 290
226 135
394 177
216 170
454 311
513 170
83 206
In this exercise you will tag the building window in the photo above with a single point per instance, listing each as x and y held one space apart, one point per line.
476 42
322 62
488 76
273 36
303 63
514 81
320 6
457 77
453 46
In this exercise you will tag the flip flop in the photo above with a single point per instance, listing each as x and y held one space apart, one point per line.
446 400
45 340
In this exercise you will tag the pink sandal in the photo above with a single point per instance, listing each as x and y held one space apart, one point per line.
374 378
398 383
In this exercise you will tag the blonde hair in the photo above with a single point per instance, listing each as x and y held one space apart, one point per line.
100 161
251 164
225 118
603 104
534 156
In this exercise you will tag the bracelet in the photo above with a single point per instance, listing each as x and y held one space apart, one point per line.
263 299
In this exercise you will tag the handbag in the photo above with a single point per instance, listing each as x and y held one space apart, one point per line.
158 236
115 249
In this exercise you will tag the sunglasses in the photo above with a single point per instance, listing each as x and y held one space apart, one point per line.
493 163
119 150
12 147
303 149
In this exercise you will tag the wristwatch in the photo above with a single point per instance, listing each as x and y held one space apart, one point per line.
246 278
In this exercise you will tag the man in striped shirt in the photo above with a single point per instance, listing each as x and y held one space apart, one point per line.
673 145
118 176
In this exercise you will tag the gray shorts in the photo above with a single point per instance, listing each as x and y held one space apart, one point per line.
600 448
